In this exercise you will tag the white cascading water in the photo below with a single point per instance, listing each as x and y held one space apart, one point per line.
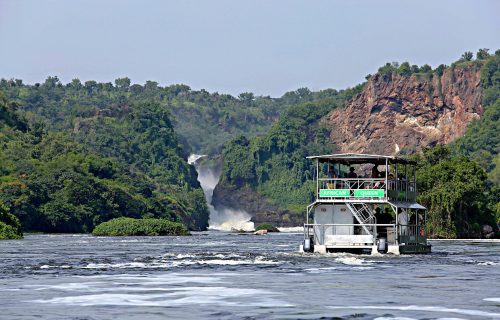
226 219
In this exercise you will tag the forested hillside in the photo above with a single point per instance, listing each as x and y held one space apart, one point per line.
272 169
273 165
97 151
128 166
203 121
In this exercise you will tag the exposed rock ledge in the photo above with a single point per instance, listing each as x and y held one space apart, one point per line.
258 207
397 112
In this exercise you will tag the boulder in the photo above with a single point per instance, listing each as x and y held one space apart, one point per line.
487 229
260 232
488 232
268 227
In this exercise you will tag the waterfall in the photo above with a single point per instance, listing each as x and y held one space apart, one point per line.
226 219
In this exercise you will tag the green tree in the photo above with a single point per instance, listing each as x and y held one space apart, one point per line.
387 69
10 227
440 69
246 97
482 54
425 68
467 56
122 83
453 189
404 69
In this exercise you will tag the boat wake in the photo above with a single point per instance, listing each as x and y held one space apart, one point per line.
171 290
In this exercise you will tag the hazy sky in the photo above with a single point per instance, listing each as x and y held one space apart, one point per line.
266 47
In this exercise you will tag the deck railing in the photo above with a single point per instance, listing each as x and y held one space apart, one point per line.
320 232
365 189
411 234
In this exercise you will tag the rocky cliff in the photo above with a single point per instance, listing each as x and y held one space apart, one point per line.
393 113
404 113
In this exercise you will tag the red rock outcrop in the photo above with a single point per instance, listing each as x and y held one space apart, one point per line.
396 112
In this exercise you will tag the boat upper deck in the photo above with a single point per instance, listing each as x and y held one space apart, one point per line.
354 177
359 158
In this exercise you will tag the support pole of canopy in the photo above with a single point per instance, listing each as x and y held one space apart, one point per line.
397 227
406 182
397 184
415 182
386 178
317 178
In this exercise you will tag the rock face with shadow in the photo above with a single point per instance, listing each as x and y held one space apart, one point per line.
245 198
405 113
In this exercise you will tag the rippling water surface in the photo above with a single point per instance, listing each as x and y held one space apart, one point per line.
215 275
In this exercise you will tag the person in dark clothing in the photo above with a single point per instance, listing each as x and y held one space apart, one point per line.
351 173
383 218
352 184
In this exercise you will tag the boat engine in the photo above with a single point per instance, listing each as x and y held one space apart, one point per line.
382 245
308 245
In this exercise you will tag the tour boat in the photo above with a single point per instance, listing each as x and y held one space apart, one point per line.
365 203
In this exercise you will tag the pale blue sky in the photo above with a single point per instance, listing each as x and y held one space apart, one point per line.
266 47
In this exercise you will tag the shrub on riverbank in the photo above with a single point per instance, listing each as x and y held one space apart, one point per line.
140 227
10 227
268 227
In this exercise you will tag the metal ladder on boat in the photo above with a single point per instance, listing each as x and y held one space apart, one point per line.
364 215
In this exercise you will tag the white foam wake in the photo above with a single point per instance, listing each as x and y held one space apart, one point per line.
160 291
292 229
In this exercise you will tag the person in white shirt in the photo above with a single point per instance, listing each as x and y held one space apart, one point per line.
403 222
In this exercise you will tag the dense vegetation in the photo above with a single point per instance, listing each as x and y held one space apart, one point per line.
202 120
10 227
274 164
76 155
129 166
456 193
140 227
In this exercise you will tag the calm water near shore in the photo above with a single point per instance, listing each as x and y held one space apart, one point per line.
216 275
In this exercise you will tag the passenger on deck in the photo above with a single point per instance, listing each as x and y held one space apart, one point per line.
351 173
403 222
335 183
331 171
375 175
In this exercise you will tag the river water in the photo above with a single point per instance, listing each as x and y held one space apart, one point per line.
218 275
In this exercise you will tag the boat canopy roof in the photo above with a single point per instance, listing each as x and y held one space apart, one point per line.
407 205
359 158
